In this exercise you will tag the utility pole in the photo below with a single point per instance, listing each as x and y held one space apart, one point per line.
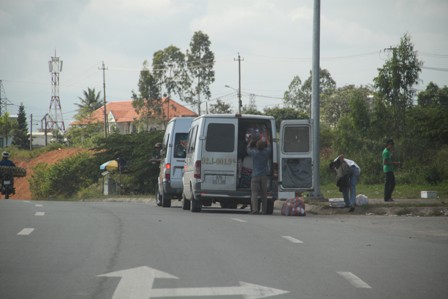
239 82
103 68
395 101
45 127
31 132
315 107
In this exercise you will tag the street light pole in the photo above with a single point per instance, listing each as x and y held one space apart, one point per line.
239 83
239 96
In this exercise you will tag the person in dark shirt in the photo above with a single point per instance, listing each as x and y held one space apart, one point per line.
5 162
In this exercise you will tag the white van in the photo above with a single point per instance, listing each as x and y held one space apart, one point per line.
172 159
218 169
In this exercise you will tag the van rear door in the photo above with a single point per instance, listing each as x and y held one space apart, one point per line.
219 154
296 156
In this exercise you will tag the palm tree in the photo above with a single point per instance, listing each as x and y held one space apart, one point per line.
89 103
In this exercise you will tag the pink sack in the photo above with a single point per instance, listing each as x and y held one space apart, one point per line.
294 207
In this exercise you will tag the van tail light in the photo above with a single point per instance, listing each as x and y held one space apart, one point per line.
167 171
197 169
275 171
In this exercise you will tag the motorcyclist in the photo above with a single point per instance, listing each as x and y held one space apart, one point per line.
6 162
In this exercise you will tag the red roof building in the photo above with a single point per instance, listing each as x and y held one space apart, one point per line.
122 116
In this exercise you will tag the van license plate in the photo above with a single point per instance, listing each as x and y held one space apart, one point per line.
219 180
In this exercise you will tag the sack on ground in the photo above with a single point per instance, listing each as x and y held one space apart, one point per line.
361 200
336 202
294 207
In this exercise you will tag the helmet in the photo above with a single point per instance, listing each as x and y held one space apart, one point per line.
5 155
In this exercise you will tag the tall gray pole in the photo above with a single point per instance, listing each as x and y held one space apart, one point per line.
103 68
315 108
31 132
239 83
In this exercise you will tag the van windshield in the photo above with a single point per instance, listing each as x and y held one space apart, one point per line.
180 145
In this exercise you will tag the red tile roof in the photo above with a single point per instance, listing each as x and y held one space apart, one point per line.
124 112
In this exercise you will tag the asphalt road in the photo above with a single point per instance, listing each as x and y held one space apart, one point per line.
134 250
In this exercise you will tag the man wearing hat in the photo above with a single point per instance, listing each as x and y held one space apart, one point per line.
389 168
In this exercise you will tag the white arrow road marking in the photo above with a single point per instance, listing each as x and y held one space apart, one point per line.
355 280
137 284
248 290
293 240
25 231
238 220
39 214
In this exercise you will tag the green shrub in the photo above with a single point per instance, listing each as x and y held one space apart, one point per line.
65 178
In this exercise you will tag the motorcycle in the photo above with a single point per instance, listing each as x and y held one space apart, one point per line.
7 187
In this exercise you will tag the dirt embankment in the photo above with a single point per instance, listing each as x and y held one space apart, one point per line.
22 185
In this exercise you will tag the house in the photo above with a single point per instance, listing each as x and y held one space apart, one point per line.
122 116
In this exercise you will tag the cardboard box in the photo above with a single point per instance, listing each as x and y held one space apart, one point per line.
428 194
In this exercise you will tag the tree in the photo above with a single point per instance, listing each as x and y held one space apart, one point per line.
395 81
20 134
6 127
337 104
200 62
220 108
148 102
284 113
299 95
433 96
89 103
295 97
170 72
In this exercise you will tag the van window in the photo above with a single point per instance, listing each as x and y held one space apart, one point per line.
180 144
296 139
220 138
192 139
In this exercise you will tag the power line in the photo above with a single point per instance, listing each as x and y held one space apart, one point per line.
440 69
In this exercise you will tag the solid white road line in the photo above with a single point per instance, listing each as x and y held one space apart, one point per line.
39 214
25 231
355 280
293 240
238 220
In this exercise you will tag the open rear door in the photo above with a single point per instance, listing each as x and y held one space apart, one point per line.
296 156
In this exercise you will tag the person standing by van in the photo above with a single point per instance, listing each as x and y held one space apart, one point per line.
259 183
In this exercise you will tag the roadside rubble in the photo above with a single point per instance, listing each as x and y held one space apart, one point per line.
399 207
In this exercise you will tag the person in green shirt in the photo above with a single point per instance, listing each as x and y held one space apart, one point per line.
389 167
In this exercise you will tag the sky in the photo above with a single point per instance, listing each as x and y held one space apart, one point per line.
273 38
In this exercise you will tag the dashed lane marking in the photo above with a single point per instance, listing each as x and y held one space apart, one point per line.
38 205
293 240
39 214
355 280
25 231
238 220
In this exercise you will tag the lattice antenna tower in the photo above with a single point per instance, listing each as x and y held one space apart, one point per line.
4 102
55 111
